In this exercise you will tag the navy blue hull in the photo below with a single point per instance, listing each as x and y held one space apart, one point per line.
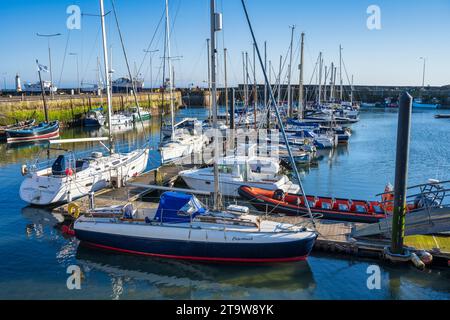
91 123
196 250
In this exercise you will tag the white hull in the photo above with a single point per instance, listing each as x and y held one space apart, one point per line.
121 120
44 188
268 233
229 186
182 146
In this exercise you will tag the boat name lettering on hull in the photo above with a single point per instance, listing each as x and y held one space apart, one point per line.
242 239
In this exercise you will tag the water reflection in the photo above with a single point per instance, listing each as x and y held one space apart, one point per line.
347 277
125 138
175 279
40 219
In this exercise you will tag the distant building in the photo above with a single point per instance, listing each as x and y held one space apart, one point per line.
36 87
126 85
18 83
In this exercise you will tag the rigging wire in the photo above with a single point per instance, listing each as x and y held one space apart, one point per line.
94 47
151 42
277 113
133 83
64 59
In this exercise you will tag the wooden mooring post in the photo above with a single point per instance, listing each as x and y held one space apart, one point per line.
396 251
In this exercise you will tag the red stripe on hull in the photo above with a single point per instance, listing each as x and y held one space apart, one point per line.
207 259
35 138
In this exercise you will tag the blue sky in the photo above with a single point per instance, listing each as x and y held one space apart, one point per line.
390 56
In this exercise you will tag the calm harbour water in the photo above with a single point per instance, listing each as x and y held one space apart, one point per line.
35 255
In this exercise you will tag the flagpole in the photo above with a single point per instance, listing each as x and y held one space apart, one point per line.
42 92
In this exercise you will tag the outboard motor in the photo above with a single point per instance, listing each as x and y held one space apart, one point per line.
425 201
278 195
431 195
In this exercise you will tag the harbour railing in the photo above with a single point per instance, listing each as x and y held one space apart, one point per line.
433 194
46 156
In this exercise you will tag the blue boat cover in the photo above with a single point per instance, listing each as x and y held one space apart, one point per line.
304 133
176 207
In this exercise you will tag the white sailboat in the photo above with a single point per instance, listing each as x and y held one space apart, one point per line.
185 125
181 143
121 119
139 114
183 228
236 171
69 178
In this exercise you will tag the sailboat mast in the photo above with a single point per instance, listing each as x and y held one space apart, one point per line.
266 105
325 84
300 87
255 88
226 83
107 75
247 99
279 81
243 79
277 113
290 73
208 55
169 67
99 86
340 73
42 92
215 26
330 98
265 67
320 79
351 92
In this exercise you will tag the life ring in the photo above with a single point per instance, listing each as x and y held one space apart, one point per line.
74 210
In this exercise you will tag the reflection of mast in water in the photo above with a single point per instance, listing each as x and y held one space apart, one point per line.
45 225
40 220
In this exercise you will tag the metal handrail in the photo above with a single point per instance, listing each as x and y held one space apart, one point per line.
417 186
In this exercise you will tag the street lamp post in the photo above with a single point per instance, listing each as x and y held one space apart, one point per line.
48 36
150 52
78 72
4 80
423 71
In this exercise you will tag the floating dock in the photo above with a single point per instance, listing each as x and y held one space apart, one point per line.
334 236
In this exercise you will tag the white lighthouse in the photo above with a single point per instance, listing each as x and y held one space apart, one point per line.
18 84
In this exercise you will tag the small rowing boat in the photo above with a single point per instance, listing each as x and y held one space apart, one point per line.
16 126
42 131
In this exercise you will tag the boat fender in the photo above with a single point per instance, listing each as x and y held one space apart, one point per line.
417 262
278 195
69 172
24 170
425 257
258 223
67 230
74 210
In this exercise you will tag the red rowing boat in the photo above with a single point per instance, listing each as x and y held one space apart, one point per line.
277 201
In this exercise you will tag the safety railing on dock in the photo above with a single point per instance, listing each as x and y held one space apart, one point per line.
428 195
46 156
